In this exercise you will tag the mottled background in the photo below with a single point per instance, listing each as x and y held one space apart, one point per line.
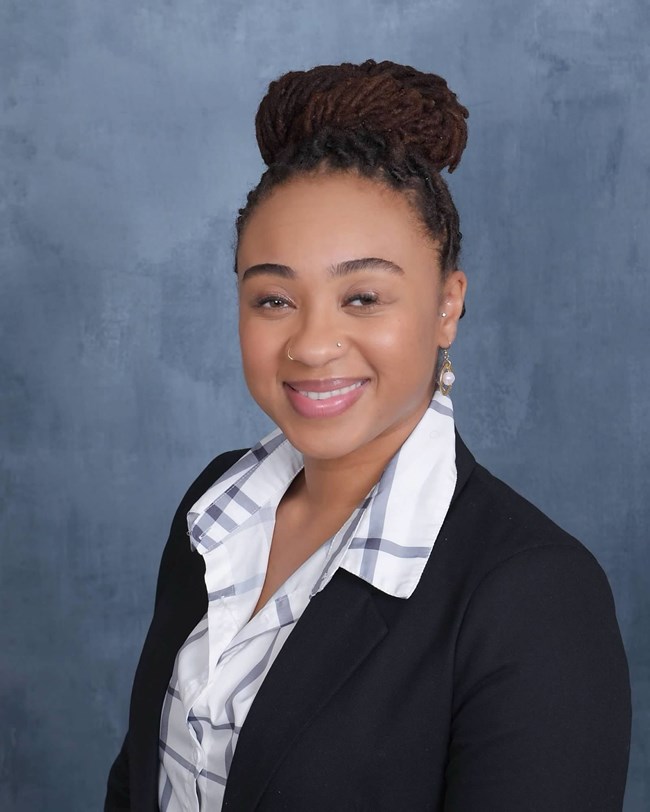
126 146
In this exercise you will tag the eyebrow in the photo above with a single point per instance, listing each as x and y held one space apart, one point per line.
348 266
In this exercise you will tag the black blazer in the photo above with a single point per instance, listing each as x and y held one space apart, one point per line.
500 685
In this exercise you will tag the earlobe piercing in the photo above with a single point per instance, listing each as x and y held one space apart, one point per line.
443 315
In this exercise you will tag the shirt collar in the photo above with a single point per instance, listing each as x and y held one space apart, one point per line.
391 535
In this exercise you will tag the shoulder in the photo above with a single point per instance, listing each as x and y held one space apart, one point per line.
533 594
496 545
523 563
491 522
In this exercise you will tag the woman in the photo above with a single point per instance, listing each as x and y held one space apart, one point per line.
363 617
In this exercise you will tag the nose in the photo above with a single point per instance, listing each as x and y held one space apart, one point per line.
317 340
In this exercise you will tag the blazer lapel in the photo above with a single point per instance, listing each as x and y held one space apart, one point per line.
337 631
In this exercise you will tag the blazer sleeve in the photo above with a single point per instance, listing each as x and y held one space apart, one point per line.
118 791
541 712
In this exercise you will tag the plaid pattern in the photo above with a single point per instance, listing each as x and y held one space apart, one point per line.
386 541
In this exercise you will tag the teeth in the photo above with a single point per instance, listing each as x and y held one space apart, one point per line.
332 393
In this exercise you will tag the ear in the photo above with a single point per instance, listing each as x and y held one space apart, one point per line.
452 298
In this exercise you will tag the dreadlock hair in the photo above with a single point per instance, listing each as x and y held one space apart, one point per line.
386 121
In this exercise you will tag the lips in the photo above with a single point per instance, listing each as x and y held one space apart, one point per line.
332 393
324 398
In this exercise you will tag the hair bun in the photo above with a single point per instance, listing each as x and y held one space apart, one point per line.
411 110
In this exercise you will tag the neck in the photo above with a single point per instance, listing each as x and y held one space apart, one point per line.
339 485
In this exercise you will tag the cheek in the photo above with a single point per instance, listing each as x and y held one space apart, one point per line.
253 347
406 356
261 352
408 340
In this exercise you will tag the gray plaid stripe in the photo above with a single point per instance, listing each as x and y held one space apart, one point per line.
237 589
205 543
242 464
197 727
173 691
218 779
216 513
261 450
283 609
164 715
178 758
245 501
166 795
343 541
226 592
217 510
389 547
253 674
207 721
441 408
252 457
171 694
196 636
198 537
377 517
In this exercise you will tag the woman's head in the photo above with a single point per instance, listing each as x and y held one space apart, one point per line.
347 254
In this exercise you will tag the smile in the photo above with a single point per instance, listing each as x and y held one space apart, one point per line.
332 393
325 398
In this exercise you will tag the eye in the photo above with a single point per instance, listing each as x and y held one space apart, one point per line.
271 303
363 300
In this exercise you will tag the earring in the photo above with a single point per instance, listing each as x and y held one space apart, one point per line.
446 375
338 344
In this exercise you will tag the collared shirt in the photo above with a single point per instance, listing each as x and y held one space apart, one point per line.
386 541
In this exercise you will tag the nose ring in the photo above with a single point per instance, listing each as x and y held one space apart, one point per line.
291 358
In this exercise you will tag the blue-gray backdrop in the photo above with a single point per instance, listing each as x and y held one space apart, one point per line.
126 146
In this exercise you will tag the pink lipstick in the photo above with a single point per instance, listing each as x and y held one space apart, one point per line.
324 398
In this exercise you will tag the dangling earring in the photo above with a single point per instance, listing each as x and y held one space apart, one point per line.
446 375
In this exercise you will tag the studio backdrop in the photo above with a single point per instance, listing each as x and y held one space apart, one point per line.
126 147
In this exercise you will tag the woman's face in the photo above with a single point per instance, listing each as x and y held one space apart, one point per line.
336 270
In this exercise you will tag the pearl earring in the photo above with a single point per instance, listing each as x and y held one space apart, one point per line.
446 375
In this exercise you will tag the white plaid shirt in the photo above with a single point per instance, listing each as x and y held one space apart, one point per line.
219 669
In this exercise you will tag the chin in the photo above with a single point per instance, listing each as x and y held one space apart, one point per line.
323 442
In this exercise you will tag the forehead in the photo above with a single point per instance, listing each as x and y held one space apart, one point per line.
324 219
